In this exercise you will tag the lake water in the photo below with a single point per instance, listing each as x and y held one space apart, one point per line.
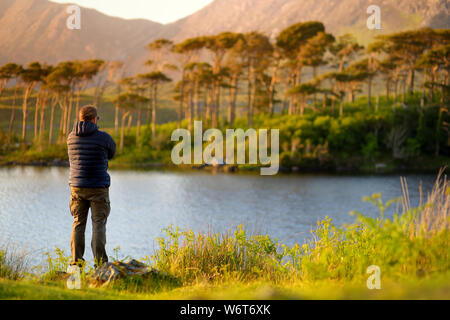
34 209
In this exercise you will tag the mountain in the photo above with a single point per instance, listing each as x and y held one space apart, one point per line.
339 16
36 29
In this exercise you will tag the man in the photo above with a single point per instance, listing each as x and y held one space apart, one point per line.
89 151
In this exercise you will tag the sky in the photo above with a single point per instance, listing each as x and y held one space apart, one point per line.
163 11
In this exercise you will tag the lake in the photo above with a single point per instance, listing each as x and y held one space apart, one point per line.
34 205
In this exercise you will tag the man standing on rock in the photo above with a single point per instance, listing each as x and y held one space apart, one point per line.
89 151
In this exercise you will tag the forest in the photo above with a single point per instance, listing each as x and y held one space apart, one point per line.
337 104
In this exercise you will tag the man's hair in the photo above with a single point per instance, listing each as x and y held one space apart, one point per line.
88 113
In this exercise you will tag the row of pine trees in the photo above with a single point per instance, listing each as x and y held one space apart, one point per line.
303 68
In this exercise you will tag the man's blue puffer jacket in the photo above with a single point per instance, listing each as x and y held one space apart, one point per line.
89 151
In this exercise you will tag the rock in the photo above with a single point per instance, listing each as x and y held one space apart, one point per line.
106 273
135 267
111 271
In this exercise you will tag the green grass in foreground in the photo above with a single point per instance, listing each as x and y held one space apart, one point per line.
411 250
434 288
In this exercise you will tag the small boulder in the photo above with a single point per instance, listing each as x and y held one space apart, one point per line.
111 271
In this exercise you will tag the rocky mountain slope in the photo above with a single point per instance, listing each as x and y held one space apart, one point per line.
271 16
36 30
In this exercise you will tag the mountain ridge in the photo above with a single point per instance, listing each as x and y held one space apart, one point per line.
43 34
35 29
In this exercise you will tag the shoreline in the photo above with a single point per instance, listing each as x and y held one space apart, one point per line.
235 169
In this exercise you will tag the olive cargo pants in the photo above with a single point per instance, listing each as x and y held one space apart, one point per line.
81 199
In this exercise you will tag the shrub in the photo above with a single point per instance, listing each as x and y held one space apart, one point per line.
13 262
412 244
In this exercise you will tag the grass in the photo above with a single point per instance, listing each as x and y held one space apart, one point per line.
14 263
32 290
413 244
411 249
436 288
